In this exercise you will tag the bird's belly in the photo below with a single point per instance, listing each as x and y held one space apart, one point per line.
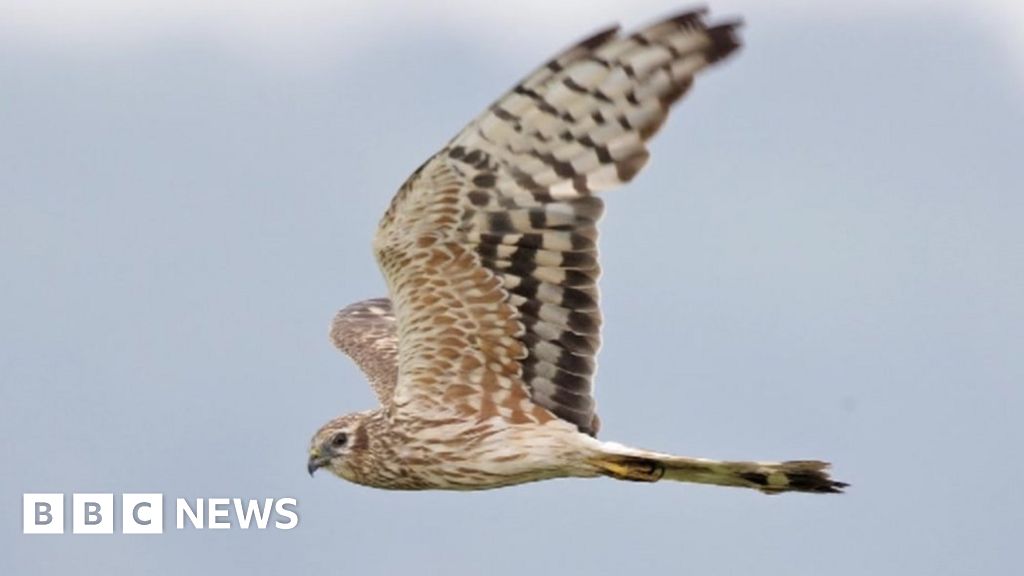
502 456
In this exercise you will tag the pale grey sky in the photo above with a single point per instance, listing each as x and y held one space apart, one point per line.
823 260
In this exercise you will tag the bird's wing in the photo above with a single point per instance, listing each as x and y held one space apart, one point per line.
489 249
366 332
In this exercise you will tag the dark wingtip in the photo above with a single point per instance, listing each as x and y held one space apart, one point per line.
599 38
691 15
724 40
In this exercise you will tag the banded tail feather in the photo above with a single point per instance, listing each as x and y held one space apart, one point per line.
768 477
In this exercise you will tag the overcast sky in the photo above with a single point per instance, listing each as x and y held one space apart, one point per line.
824 259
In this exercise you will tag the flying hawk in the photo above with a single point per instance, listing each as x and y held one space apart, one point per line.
483 357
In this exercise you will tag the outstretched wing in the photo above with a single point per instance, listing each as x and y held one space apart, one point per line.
366 332
489 249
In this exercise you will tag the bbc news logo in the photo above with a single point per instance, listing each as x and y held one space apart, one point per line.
144 513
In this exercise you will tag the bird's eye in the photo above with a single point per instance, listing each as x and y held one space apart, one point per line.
339 440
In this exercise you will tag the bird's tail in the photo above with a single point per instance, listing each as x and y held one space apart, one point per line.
768 477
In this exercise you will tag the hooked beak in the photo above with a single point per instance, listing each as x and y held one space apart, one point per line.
316 462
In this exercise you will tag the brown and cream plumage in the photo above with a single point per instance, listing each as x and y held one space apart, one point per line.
483 358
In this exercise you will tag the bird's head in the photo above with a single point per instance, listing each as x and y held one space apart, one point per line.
338 444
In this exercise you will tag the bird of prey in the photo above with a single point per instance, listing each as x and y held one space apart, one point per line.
483 357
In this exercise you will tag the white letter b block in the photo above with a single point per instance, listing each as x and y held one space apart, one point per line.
42 514
92 514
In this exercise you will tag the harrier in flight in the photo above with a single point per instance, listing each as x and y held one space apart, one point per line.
483 358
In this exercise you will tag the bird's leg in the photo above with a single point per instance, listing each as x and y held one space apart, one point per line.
630 468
